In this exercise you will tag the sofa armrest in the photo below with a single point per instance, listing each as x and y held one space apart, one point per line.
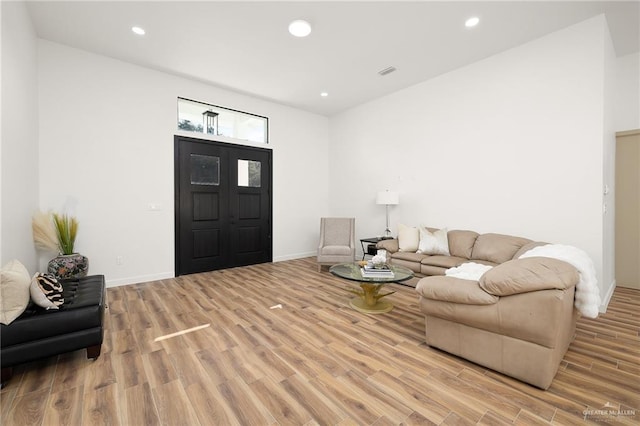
391 245
529 274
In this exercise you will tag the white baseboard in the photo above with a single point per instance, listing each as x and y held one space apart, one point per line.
167 275
140 279
607 298
295 256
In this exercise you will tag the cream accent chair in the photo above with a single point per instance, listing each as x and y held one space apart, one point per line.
337 240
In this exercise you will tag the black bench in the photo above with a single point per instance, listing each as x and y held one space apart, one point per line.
39 333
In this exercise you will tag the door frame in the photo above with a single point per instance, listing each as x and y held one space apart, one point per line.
177 139
627 225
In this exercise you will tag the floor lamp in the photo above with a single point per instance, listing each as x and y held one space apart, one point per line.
388 198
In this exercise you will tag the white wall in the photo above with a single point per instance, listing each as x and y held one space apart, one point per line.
627 98
511 144
106 149
19 135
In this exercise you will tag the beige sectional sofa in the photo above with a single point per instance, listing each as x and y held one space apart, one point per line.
518 318
464 246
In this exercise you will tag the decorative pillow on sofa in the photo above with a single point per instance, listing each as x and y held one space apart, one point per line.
408 238
433 242
46 291
529 274
14 291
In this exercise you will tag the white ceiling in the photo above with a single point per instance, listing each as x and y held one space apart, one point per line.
245 46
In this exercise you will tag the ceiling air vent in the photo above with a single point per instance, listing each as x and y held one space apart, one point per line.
387 70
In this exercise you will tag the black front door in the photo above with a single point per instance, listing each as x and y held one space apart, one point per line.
223 205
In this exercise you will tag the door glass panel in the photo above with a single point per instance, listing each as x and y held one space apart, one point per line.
205 170
249 173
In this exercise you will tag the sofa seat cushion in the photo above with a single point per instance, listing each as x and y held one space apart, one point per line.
529 274
336 250
497 248
484 262
413 266
409 257
408 260
83 309
431 270
444 261
454 290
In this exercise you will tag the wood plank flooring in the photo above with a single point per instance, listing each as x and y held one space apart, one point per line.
315 361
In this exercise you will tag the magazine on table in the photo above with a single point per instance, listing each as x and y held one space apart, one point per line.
376 273
370 268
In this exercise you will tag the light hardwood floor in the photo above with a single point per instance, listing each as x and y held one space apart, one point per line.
315 361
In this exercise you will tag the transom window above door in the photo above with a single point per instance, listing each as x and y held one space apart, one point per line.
215 120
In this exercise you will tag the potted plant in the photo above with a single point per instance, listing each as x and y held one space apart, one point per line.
53 231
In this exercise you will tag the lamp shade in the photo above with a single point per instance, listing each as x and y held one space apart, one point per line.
388 198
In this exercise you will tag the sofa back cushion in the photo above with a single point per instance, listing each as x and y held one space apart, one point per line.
525 248
390 245
461 243
497 248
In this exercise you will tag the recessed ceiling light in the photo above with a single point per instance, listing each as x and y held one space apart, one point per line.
324 94
471 22
300 28
138 30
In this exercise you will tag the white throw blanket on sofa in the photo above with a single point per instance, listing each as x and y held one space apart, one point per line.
468 271
587 298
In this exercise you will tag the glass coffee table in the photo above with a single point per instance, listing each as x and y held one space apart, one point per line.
368 300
